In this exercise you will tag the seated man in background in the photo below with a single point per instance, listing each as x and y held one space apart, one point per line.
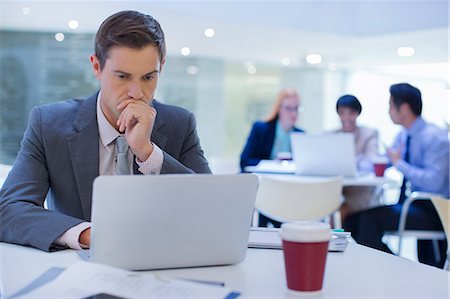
358 198
421 153
68 144
270 139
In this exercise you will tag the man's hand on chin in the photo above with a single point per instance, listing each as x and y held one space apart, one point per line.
136 119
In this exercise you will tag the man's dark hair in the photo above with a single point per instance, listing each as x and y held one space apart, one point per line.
130 29
406 93
349 101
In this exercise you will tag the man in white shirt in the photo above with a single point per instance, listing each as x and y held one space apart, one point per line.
68 144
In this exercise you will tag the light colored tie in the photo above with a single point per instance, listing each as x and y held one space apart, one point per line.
121 158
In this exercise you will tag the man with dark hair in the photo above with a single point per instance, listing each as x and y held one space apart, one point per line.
121 129
421 153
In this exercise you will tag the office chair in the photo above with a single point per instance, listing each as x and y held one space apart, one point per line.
402 232
442 206
296 199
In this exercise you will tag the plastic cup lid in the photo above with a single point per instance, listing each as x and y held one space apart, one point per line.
380 160
308 231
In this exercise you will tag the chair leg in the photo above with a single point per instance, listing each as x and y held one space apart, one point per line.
436 251
447 258
400 239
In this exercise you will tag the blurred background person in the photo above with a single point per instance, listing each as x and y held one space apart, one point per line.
270 139
358 198
421 153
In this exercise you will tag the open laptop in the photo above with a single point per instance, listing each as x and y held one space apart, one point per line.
324 155
171 221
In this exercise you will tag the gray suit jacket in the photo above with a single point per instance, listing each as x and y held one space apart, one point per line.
59 160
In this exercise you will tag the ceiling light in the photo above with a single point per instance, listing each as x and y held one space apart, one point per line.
185 51
73 24
26 10
285 61
59 36
192 70
209 32
405 51
314 59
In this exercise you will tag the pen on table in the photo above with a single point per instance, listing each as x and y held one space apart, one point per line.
209 282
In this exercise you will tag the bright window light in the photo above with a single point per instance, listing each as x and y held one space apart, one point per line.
59 36
313 59
209 32
73 24
405 51
185 51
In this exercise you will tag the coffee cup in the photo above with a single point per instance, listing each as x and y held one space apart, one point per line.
305 249
379 166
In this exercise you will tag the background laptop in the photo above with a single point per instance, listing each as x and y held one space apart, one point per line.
324 155
170 221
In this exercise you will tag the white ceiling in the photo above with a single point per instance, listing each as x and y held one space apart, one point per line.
348 33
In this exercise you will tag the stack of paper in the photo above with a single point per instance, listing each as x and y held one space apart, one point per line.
269 238
85 280
273 166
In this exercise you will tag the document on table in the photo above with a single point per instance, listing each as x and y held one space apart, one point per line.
269 238
85 279
273 166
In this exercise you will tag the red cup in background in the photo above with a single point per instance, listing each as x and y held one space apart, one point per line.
379 169
379 165
305 249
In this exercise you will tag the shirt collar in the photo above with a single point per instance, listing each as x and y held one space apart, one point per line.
106 132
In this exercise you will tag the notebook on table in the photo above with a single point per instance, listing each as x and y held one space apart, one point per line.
324 154
171 221
269 238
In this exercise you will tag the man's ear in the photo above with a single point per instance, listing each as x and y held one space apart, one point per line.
96 69
404 109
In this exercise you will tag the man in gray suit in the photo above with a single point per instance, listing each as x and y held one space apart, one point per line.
68 144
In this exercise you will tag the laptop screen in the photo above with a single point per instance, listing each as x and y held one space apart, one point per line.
325 154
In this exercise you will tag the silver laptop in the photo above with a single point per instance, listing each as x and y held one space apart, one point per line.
171 221
324 155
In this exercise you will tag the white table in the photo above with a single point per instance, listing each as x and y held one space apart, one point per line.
285 170
364 180
359 272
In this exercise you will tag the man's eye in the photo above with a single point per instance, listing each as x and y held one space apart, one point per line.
148 77
121 76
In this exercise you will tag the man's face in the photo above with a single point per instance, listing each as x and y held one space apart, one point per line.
127 74
394 113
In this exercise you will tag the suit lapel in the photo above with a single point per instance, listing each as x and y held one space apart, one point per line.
157 136
83 148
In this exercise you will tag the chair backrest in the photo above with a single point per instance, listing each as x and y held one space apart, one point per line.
442 206
224 165
298 199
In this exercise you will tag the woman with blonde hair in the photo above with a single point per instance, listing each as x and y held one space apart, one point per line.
270 139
